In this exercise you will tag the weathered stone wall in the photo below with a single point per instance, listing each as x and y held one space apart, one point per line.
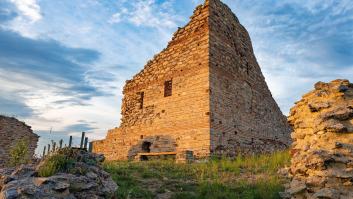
12 131
208 84
175 123
244 116
322 162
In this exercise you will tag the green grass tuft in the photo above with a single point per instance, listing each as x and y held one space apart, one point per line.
54 164
19 153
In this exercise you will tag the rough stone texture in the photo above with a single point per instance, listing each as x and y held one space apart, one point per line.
220 103
11 131
322 162
244 116
86 179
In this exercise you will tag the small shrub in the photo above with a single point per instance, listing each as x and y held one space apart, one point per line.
19 154
54 164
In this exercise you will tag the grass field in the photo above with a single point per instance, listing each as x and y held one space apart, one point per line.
243 177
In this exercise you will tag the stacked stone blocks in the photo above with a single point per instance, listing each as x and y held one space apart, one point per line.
322 162
215 108
11 132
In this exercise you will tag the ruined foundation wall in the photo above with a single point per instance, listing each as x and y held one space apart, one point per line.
12 131
244 116
322 151
173 123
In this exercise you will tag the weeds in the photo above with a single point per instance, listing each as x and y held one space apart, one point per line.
243 177
54 164
19 154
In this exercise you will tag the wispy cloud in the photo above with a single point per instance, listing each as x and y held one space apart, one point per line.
29 9
299 42
147 13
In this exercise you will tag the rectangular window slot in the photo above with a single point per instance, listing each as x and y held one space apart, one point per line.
168 86
141 95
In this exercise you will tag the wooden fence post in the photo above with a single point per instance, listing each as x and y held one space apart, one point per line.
70 142
60 144
86 142
90 147
54 146
48 149
82 139
44 151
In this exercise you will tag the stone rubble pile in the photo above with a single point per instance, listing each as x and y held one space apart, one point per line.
84 179
322 151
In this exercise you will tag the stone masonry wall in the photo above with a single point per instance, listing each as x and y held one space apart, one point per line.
244 116
220 102
11 131
322 151
175 123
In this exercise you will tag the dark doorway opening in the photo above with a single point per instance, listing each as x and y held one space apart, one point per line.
146 147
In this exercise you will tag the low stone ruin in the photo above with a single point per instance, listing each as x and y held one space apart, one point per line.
12 131
82 178
322 153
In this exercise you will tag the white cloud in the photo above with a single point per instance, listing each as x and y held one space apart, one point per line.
148 13
116 18
41 96
29 9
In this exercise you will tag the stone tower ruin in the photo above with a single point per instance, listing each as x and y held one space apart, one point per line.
203 93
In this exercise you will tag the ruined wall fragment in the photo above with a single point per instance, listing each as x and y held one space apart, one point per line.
322 162
12 131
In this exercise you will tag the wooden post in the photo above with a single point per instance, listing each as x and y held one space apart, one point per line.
44 151
48 149
86 142
82 139
90 147
70 142
60 144
54 146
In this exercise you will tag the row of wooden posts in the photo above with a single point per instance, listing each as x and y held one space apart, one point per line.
83 145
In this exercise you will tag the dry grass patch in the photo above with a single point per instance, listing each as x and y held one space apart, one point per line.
243 177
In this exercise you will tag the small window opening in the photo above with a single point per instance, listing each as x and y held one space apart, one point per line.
141 97
168 86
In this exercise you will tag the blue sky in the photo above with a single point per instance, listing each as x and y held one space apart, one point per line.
63 63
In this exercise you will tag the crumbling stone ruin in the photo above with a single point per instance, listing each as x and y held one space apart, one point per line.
204 93
322 160
12 131
82 178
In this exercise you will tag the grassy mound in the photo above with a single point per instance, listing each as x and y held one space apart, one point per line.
244 177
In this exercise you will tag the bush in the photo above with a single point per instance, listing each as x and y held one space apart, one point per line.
54 164
19 153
